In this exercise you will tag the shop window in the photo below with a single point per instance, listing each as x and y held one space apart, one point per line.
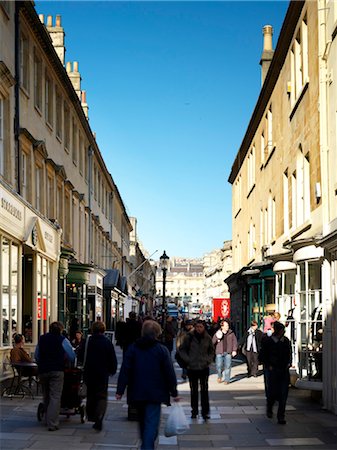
9 260
311 320
43 283
2 145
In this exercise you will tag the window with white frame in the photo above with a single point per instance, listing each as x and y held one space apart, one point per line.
75 143
293 199
263 144
251 168
303 187
80 153
251 241
269 118
66 127
237 194
271 219
24 62
49 100
299 62
38 187
58 120
262 238
24 175
2 138
285 202
37 81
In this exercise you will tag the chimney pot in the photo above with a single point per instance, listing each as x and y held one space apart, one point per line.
68 67
84 97
41 17
49 21
58 20
75 66
267 38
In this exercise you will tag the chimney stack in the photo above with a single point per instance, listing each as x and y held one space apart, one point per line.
84 103
56 34
268 52
75 77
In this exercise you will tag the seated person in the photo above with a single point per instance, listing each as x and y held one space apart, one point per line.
19 355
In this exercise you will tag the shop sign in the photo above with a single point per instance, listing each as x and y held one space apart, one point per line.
42 308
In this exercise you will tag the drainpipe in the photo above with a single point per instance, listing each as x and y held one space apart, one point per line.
17 97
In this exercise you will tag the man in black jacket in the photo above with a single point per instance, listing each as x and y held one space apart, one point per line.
99 363
275 354
147 371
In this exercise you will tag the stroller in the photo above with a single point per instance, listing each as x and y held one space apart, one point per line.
73 395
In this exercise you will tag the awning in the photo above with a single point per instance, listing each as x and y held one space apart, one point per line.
250 272
283 266
307 253
123 285
111 279
268 273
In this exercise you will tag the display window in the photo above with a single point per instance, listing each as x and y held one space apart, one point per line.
9 283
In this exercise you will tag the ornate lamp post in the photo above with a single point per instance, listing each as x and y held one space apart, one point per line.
164 264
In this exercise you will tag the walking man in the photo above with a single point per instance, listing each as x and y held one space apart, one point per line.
51 353
197 352
275 354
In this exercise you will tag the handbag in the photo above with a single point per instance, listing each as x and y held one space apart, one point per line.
176 422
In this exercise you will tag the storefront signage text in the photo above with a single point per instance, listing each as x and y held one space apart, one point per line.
11 209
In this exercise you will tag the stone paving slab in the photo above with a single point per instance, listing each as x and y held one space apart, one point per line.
237 422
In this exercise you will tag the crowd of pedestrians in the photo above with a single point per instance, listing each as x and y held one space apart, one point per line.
147 373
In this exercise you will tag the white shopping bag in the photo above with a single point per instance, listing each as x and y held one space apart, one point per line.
176 422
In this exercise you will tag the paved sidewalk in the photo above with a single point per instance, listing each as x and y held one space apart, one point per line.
237 421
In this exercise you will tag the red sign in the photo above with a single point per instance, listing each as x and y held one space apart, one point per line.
221 308
39 308
42 308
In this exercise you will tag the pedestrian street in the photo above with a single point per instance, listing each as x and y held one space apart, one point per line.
237 422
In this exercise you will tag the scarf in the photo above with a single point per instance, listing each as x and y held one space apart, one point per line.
251 341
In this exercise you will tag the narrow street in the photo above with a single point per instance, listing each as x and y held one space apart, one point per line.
237 421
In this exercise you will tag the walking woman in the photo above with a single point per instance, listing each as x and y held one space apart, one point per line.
100 362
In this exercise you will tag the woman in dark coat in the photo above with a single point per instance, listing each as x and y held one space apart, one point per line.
100 363
147 371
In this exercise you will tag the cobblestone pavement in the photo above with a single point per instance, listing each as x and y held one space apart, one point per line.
237 421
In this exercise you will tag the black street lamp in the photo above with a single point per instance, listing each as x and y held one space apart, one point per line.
164 264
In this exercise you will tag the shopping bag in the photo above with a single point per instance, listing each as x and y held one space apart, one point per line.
176 422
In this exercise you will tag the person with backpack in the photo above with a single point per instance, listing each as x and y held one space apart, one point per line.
197 353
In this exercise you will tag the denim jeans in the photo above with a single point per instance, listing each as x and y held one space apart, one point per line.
223 366
149 419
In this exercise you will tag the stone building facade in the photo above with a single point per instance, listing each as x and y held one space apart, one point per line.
284 211
64 229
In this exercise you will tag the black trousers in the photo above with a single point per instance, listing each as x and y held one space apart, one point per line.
277 386
97 401
252 363
195 377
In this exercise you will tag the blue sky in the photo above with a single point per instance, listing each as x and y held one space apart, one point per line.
171 87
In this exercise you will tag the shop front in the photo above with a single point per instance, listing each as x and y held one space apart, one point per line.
95 296
77 305
299 300
29 255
